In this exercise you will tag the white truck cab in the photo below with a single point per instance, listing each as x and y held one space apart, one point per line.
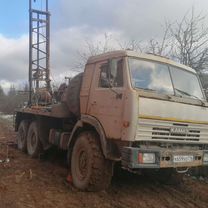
155 105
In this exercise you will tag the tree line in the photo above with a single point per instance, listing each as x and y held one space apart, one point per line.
13 99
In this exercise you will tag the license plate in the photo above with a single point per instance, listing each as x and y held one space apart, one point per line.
183 158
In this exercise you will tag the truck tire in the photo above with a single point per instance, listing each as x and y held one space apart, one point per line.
73 95
90 171
22 136
34 146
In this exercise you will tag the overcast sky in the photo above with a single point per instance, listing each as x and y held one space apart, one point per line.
75 21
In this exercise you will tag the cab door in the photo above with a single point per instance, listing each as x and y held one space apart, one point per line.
107 96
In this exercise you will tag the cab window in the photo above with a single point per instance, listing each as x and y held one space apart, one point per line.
111 74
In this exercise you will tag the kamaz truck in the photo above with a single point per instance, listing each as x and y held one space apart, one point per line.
142 111
145 111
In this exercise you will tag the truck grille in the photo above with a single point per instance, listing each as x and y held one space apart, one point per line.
157 130
165 133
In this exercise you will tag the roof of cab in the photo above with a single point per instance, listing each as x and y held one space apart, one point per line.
122 53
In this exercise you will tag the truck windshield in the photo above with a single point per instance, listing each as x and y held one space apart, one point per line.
154 76
186 83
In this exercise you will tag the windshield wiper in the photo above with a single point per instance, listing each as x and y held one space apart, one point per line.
183 92
189 95
149 89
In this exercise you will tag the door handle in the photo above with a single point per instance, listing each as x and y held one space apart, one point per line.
119 96
94 103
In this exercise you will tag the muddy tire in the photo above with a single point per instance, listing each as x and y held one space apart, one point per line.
73 95
22 136
89 169
34 146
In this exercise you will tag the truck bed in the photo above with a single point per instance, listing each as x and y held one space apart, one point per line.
56 111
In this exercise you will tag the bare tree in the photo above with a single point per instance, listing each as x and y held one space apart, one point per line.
91 49
2 94
184 41
190 41
132 45
106 45
12 91
164 45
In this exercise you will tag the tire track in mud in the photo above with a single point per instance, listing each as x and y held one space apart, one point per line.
148 195
170 197
181 198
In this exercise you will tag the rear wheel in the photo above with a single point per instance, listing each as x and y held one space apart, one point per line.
22 136
89 169
34 146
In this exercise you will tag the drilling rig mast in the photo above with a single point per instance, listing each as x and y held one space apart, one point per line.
39 47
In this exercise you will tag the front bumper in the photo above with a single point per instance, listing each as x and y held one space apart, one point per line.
163 158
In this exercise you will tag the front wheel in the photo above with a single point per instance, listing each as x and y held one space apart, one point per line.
89 169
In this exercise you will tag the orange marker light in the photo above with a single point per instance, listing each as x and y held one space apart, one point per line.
140 158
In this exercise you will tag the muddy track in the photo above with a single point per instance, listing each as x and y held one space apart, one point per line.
25 182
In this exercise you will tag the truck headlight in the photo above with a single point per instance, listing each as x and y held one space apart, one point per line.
205 158
146 158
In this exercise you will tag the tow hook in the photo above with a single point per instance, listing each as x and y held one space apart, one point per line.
182 170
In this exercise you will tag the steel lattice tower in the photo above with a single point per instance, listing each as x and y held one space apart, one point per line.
39 46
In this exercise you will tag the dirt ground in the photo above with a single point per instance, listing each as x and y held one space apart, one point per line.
25 182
